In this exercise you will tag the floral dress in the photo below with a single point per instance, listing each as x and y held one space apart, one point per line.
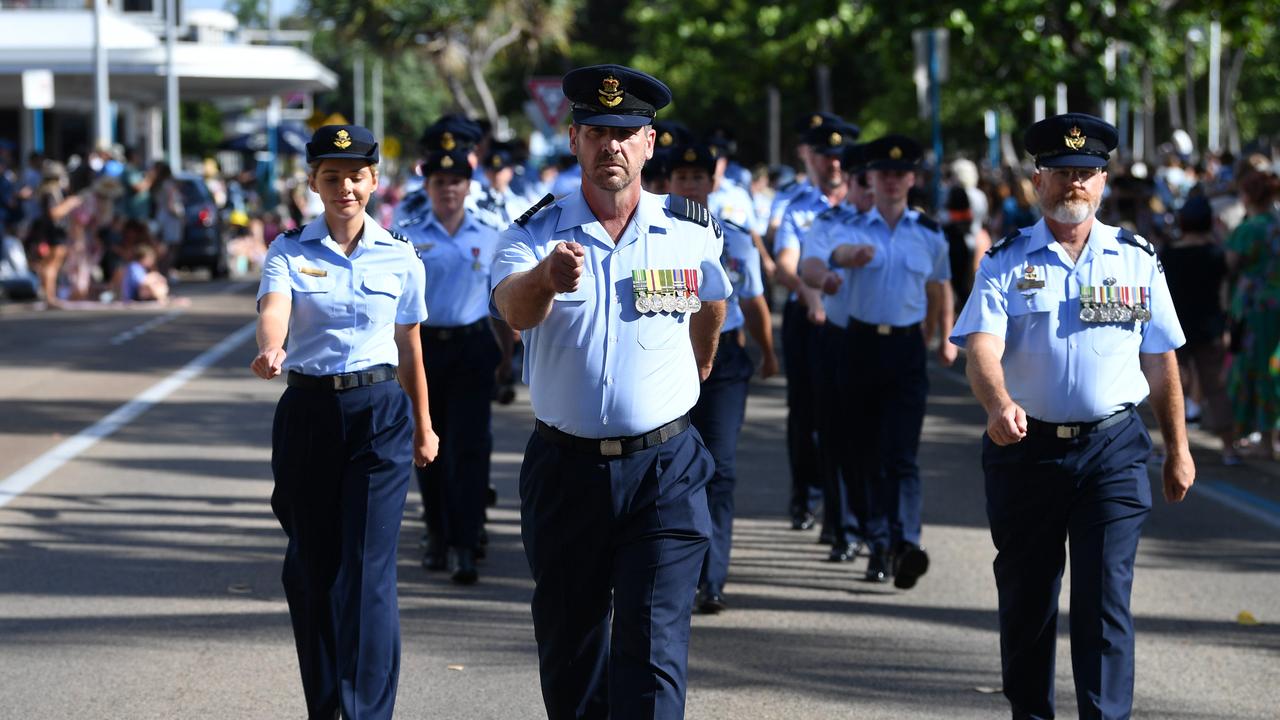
1253 382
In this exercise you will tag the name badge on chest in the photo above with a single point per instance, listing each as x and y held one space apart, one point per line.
1031 279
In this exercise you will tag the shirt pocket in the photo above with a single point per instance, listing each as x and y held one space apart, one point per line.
569 323
310 284
918 261
1115 338
380 296
1029 322
659 331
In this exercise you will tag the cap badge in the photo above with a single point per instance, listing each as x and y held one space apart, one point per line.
895 152
835 139
496 161
690 155
815 121
446 162
343 140
447 142
610 95
1074 138
665 139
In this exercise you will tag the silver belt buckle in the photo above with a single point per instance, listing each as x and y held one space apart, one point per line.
611 448
884 329
1066 432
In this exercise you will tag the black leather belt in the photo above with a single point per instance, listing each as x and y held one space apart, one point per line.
856 325
343 381
1066 431
448 333
613 447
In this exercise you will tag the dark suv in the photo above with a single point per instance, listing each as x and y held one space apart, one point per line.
203 245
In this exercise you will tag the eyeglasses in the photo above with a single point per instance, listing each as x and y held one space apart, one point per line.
1082 175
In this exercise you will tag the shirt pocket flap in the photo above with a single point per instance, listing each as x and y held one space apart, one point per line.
586 291
385 283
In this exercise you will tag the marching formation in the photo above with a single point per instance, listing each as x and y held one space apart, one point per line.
629 292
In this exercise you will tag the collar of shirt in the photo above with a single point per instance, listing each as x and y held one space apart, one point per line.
1102 241
574 212
318 231
873 216
469 224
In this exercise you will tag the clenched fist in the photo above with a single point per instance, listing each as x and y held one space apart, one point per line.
268 363
563 266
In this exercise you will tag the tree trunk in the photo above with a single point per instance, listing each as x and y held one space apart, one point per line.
1192 126
459 92
1228 101
475 69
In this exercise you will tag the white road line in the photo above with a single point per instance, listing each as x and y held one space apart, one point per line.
1238 501
67 450
145 327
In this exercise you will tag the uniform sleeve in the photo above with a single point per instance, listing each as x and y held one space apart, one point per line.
752 282
275 270
413 301
987 308
819 241
714 283
514 254
1163 332
788 236
941 261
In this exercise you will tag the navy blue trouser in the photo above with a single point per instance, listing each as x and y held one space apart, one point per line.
844 499
623 536
1042 493
341 464
888 387
800 343
460 381
718 416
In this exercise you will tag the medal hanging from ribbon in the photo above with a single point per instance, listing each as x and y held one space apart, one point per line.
657 290
1109 303
475 258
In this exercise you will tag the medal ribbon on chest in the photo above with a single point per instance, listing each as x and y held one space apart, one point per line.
1108 303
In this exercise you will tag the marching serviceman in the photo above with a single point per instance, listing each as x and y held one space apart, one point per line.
1069 327
620 296
348 295
464 350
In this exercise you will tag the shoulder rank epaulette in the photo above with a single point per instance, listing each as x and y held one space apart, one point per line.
928 222
694 212
1003 242
1127 237
829 213
735 226
398 236
295 232
545 201
787 187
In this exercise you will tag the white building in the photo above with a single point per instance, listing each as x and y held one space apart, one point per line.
211 60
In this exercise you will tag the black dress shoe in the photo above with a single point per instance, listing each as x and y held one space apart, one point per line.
802 521
909 564
435 555
880 567
710 601
844 552
464 566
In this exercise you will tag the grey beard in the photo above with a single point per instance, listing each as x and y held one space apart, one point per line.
1072 212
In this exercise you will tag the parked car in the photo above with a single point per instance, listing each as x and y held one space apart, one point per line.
203 244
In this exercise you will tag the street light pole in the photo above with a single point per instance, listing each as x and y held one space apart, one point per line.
101 92
171 84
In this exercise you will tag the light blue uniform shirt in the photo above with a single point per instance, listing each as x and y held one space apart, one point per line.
415 206
741 262
890 290
831 228
595 366
733 203
783 197
344 309
457 268
798 217
1056 366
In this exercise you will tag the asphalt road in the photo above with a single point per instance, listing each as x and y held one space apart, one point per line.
139 571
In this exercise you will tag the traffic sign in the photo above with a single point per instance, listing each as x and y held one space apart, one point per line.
550 99
37 89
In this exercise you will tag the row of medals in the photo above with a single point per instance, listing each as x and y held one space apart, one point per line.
673 299
1116 310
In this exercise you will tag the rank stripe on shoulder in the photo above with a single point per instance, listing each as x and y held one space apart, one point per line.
734 226
294 232
398 236
1127 237
1003 242
928 222
545 201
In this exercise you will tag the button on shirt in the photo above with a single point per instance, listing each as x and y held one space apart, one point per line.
890 290
457 268
595 366
831 228
344 309
1056 366
741 262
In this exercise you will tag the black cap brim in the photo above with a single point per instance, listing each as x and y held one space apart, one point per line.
1073 160
586 117
903 165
